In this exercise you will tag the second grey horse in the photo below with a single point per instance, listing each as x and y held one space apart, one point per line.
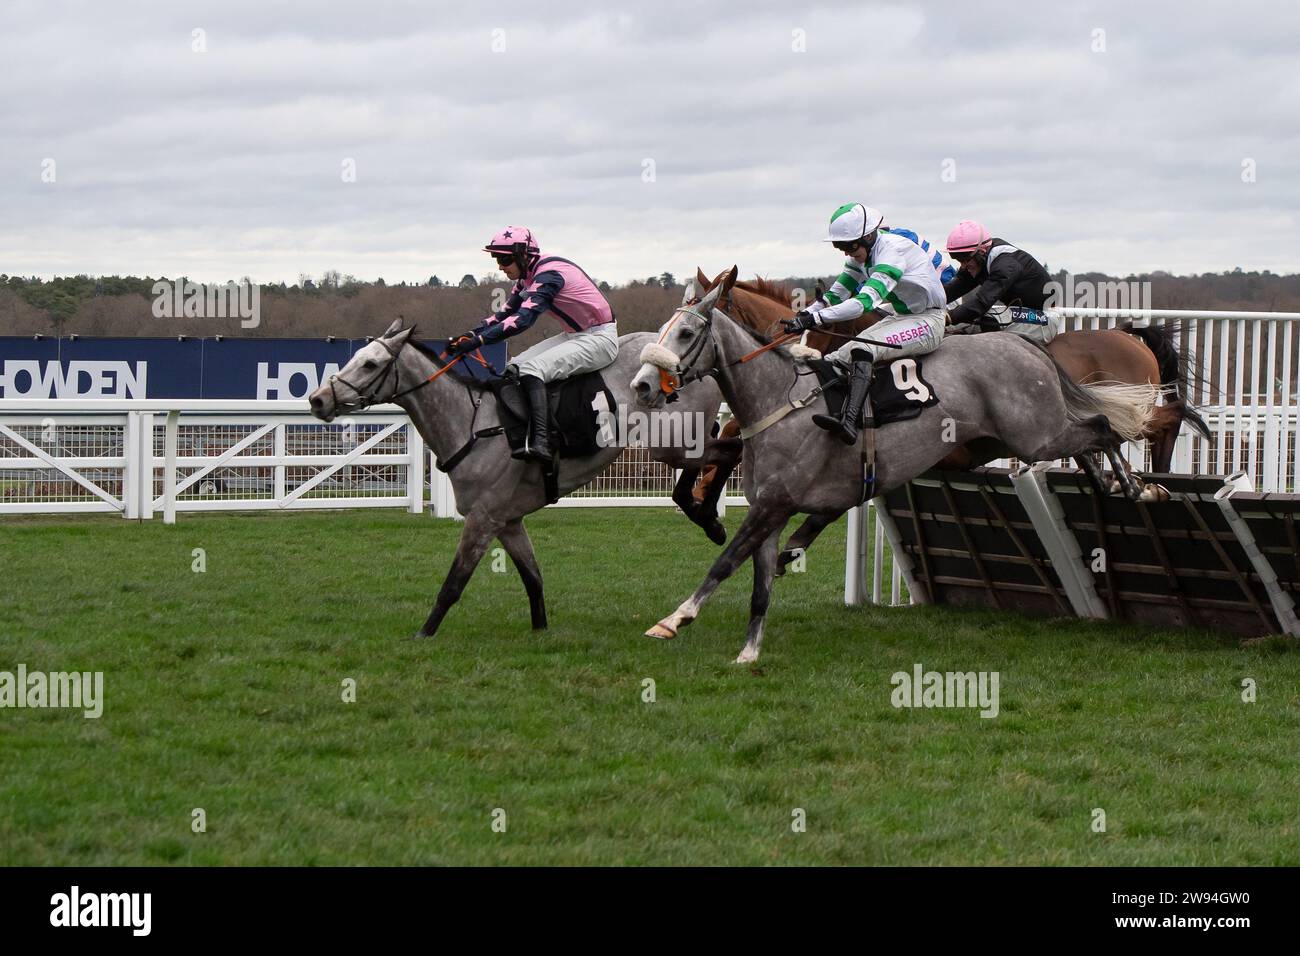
493 490
1000 391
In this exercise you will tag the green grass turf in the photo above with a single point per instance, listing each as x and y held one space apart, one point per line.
223 691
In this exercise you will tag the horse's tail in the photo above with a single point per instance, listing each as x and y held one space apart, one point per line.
1128 408
1160 340
1173 375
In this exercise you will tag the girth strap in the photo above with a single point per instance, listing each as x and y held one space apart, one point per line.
465 449
868 455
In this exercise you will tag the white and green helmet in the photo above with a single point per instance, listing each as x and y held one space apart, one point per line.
853 222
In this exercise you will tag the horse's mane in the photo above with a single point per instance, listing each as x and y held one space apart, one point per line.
767 289
776 291
458 371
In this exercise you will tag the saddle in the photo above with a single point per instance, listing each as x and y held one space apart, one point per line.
574 416
899 392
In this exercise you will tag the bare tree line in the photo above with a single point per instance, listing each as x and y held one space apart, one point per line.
341 306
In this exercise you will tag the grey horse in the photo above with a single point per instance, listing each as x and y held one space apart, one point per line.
1001 392
493 491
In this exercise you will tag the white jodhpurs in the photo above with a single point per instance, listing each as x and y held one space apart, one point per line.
1036 325
916 334
569 353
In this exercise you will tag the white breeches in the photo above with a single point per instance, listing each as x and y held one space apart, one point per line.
569 353
915 334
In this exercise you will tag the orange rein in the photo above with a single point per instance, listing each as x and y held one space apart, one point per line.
668 382
477 353
780 340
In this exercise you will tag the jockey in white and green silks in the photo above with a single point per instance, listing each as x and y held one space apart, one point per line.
885 272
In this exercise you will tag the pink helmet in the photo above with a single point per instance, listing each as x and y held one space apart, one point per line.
508 239
967 236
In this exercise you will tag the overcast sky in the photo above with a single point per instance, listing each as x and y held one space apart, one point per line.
1120 150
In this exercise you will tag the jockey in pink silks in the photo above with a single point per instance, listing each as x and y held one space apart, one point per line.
588 343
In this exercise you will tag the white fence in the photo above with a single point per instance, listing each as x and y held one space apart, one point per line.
139 458
1243 376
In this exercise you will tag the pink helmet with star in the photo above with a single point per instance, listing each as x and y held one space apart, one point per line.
967 236
506 241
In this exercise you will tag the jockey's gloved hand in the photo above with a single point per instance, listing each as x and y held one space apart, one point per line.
989 323
802 322
464 344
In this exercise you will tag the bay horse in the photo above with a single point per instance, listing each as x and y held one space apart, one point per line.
1008 393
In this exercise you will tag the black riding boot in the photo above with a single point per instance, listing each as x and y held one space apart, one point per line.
845 428
538 446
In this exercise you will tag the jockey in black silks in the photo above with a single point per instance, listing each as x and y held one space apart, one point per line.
997 272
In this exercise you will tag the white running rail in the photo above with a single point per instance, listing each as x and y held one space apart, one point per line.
143 457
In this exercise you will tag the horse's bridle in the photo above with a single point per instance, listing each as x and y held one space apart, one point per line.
381 376
686 362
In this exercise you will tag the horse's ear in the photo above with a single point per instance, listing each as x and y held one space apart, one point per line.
707 303
702 281
728 281
392 329
689 292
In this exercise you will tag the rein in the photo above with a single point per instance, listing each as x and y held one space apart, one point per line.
478 357
853 338
370 398
669 382
672 379
783 339
366 399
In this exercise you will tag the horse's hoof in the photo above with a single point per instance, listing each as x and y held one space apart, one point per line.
716 532
747 656
661 632
1154 492
1115 487
783 561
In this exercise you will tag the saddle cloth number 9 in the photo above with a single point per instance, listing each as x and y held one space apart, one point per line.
908 382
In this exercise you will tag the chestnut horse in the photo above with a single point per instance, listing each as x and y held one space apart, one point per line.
1131 356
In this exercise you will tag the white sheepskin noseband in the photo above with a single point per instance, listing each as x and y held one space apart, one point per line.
660 357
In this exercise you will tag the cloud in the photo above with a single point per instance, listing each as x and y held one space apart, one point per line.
759 118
